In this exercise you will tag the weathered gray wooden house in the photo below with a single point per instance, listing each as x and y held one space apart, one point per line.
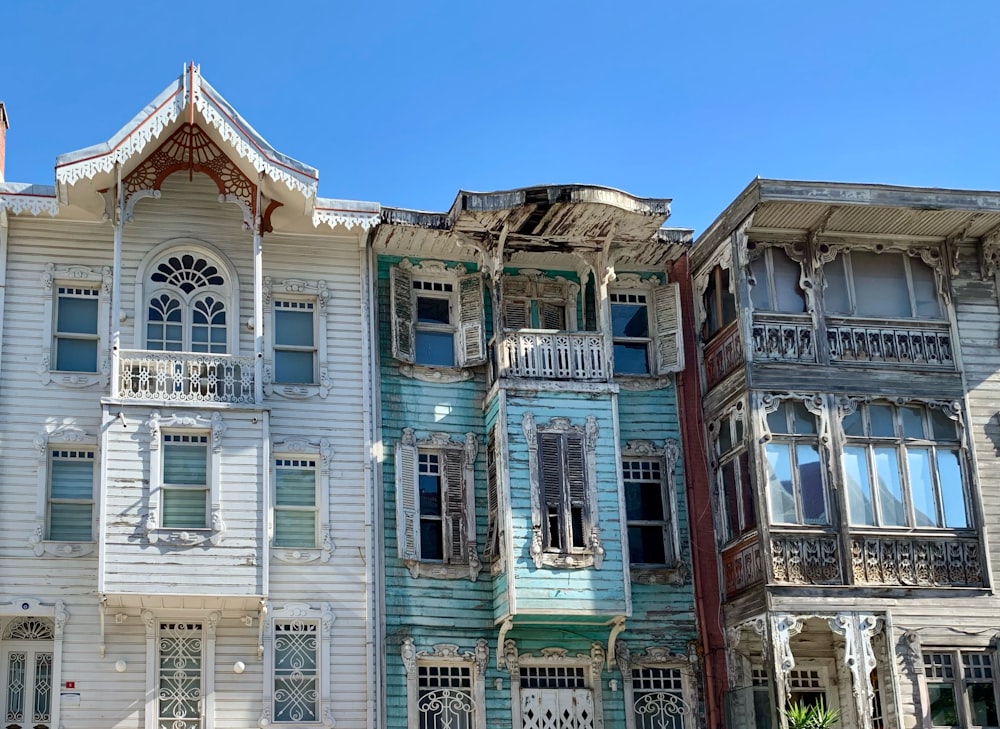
184 390
849 360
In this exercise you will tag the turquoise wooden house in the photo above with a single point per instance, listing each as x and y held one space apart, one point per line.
536 560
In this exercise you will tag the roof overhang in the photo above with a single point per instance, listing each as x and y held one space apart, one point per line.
796 210
538 222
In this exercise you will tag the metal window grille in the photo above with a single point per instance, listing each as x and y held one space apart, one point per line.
445 699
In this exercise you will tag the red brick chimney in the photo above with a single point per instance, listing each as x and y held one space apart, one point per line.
4 126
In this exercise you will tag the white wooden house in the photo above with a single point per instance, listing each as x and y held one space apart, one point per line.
184 385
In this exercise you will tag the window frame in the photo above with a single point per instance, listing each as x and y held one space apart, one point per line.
567 555
656 658
902 444
762 254
532 289
767 405
446 655
665 340
55 614
931 257
322 616
321 452
297 291
672 571
960 681
76 277
459 560
466 314
215 528
228 293
68 437
733 422
714 286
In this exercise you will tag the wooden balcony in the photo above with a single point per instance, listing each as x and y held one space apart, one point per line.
783 340
723 354
185 377
913 344
544 354
925 560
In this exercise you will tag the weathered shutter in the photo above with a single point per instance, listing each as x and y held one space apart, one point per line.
492 497
401 295
454 506
552 316
550 471
669 342
516 314
576 486
470 325
407 502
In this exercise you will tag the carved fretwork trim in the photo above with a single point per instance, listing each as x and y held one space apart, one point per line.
989 255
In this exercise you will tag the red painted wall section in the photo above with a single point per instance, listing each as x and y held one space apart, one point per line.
708 593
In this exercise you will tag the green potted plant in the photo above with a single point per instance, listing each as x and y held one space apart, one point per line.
815 716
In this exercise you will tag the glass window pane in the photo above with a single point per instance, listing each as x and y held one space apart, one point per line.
77 316
76 355
859 492
983 703
925 290
788 294
853 424
643 501
71 478
631 358
811 490
431 540
747 494
759 291
294 528
944 707
294 487
293 328
646 545
729 497
803 420
918 462
835 297
913 422
728 300
432 310
780 487
184 508
952 489
725 437
184 464
777 422
944 428
885 274
70 522
629 320
430 495
882 425
294 366
890 494
435 348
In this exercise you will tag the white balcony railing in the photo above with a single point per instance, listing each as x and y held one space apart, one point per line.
551 355
185 377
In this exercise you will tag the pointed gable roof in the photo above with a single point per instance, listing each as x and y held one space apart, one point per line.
189 93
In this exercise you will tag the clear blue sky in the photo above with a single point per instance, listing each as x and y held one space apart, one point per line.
405 103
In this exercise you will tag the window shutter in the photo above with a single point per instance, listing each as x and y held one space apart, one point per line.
552 316
669 337
401 296
492 497
576 477
471 330
454 506
550 469
407 517
516 314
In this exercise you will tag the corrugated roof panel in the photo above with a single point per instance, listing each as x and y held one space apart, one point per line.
797 216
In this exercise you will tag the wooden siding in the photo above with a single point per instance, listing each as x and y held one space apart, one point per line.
111 700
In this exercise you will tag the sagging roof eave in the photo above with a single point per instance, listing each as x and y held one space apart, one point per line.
471 201
761 191
163 112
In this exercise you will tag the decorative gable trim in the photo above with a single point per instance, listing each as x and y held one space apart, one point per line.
19 197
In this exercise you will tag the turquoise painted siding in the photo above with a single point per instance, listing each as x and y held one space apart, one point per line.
571 590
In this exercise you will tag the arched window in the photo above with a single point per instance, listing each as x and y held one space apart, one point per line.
188 304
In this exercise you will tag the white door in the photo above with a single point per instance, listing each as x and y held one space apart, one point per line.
27 695
557 708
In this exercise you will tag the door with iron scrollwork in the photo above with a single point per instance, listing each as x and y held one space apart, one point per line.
180 684
27 651
558 708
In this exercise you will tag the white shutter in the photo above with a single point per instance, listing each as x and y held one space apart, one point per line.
470 322
516 314
401 298
669 339
407 502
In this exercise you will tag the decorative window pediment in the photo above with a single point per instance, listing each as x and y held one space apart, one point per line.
296 329
66 515
437 319
435 505
564 513
300 528
76 303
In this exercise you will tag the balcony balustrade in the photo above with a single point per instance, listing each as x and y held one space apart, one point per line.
783 341
923 346
552 355
185 377
723 354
